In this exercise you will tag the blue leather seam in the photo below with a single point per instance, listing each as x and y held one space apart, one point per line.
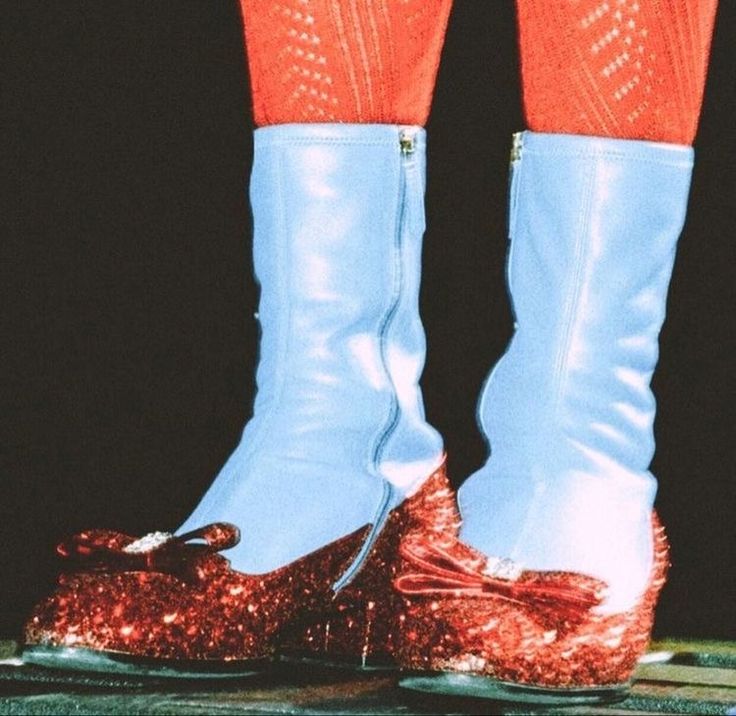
397 284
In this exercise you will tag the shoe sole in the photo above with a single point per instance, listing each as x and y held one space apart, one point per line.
356 665
454 684
110 662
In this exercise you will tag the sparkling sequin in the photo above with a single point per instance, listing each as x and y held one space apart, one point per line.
503 568
524 640
149 542
361 624
192 607
178 600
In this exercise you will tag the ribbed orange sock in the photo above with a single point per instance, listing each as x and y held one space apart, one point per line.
630 69
343 60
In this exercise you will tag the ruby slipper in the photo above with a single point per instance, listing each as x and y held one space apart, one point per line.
484 627
171 606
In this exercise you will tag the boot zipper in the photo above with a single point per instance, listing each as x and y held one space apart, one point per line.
376 529
406 142
407 146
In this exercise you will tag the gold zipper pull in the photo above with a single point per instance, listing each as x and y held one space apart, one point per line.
516 145
406 142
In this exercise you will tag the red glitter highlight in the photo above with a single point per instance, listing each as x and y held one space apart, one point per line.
164 598
509 634
361 624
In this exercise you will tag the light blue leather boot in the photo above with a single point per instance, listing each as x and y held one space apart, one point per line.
568 410
337 440
338 435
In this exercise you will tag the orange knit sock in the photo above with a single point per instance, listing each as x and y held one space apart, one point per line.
630 69
343 60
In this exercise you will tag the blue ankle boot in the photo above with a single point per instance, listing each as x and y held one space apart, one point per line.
337 443
568 410
338 435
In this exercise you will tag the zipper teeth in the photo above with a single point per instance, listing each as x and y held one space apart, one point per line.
517 142
406 147
393 416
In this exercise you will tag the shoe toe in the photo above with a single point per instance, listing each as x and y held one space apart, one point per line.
152 614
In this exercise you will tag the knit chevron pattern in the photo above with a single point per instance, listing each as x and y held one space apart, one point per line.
629 69
343 60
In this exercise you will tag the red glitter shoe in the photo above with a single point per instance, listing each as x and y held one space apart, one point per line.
360 627
166 606
475 626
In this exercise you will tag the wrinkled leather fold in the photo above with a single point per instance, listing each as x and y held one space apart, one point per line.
568 410
338 434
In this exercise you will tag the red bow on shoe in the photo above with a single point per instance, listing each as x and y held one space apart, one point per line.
154 552
443 574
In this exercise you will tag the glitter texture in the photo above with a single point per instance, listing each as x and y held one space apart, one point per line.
183 602
180 600
360 625
540 629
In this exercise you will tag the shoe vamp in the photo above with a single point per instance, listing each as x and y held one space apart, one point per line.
156 615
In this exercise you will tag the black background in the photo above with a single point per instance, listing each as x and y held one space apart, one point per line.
128 342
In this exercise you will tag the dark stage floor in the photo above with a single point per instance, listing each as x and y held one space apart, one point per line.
677 677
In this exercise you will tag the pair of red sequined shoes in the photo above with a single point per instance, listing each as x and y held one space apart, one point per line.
453 620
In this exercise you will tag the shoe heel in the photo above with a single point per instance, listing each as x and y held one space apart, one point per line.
356 631
359 630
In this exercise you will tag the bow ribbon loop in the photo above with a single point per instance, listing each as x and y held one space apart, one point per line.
106 550
440 573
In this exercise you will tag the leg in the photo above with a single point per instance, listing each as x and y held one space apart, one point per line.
338 411
344 60
568 411
625 69
338 440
